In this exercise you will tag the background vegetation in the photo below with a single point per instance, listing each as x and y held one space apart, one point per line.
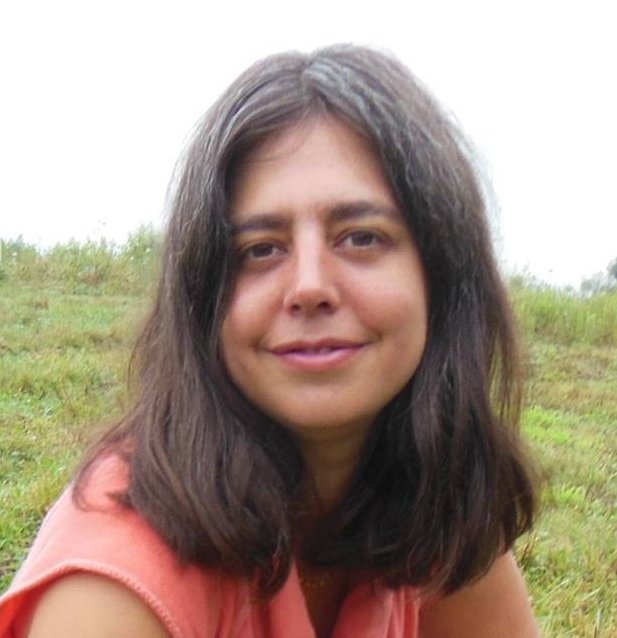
67 320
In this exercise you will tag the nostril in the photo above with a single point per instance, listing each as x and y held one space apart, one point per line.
312 292
311 304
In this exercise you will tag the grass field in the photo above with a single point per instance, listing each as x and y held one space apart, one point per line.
64 347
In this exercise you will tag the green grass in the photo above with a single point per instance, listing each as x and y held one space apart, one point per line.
62 363
570 559
65 336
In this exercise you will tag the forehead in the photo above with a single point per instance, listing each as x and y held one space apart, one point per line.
317 159
292 136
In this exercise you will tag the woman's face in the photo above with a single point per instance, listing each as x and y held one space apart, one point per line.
328 318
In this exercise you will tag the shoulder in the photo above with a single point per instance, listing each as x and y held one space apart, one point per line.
495 605
97 534
110 550
84 604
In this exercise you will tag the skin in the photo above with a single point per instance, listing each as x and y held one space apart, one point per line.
495 605
307 273
328 319
324 259
78 606
90 606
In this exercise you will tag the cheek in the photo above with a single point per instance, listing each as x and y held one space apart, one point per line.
234 331
250 313
397 309
409 326
236 340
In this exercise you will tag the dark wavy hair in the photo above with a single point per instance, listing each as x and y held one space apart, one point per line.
442 487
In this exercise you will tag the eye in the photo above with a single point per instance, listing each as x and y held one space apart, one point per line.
260 252
362 239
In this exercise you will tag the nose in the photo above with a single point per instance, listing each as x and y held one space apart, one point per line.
312 287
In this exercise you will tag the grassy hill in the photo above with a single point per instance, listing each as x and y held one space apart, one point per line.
67 321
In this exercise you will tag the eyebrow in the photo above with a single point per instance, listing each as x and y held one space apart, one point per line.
340 212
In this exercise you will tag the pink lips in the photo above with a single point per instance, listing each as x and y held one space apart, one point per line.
317 356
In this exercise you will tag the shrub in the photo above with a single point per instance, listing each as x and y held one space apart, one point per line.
89 267
563 316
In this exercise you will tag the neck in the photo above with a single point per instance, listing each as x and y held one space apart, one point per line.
331 458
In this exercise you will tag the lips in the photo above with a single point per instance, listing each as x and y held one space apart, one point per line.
321 346
317 356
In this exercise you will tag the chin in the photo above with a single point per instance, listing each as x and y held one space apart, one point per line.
306 423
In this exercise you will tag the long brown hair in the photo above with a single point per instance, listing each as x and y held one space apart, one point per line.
442 488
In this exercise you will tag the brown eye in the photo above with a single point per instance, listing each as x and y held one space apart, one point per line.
362 239
261 251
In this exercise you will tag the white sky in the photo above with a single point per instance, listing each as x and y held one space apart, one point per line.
96 99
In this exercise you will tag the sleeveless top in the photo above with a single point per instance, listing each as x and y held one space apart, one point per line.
190 601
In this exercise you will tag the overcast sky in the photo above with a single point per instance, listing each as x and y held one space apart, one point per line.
97 99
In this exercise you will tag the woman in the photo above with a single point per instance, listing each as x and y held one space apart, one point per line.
324 438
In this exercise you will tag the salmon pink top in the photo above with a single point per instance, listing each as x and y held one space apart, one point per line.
189 601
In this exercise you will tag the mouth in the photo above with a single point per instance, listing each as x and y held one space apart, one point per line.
319 356
321 346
